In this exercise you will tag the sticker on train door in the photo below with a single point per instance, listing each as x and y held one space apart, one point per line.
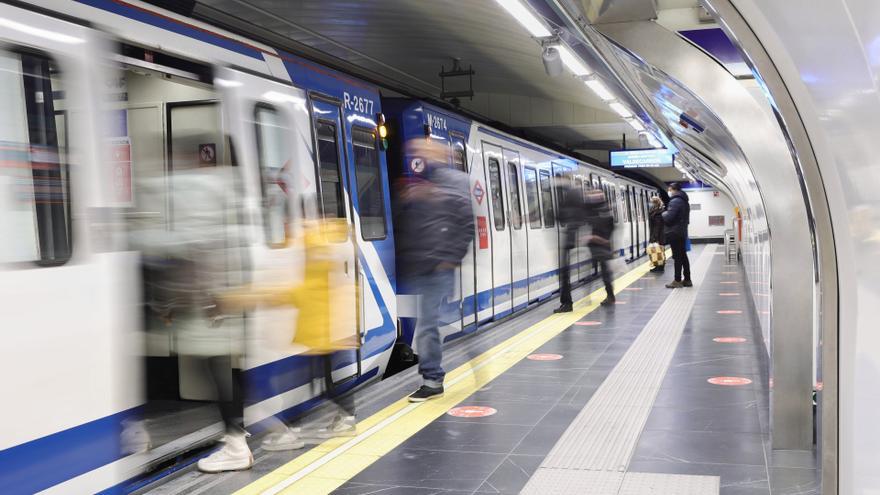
479 192
483 232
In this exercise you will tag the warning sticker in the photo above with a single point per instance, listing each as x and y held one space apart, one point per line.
479 192
483 232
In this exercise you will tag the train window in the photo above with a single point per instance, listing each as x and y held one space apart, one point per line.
628 206
34 200
274 173
547 200
531 180
495 192
332 193
615 208
513 199
371 200
579 185
459 155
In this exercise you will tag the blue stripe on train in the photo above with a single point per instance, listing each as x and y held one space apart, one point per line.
140 14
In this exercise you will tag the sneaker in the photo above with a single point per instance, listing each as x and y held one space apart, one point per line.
427 393
608 301
675 285
341 426
282 440
687 283
234 456
565 308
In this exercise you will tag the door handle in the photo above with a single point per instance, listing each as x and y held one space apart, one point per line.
346 267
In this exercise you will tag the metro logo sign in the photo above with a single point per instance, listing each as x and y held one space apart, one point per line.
479 192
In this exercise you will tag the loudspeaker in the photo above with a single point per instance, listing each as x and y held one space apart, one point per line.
552 61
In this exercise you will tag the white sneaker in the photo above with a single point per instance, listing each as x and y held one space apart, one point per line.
283 440
341 426
234 456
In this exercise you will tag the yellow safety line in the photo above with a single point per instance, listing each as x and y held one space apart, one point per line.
329 465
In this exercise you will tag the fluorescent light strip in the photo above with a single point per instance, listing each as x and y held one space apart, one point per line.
572 61
600 89
525 17
636 124
620 109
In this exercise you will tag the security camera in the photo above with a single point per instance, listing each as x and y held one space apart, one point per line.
552 61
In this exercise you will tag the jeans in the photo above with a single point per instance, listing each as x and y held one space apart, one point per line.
679 253
565 277
230 401
433 288
606 278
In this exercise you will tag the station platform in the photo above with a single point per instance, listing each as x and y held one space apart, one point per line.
665 392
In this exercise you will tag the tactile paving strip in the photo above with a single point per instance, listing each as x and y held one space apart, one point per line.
603 437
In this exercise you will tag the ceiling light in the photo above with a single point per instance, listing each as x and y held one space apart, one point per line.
525 17
636 124
572 61
600 89
620 109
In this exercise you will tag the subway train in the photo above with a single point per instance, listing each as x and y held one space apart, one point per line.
104 99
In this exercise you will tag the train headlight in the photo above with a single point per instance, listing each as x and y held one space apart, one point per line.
382 130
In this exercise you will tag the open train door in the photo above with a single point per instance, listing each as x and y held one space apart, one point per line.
269 123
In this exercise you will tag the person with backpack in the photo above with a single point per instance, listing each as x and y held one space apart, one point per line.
656 237
676 219
571 217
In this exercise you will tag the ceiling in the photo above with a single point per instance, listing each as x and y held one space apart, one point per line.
405 43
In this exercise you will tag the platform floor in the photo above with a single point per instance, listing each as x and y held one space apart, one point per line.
602 401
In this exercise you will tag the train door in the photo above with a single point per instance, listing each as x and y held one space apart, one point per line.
68 289
334 189
467 281
502 300
518 239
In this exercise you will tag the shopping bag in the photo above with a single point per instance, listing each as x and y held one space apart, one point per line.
657 254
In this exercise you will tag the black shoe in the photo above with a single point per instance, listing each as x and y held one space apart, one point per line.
687 283
426 393
675 285
658 269
565 308
609 301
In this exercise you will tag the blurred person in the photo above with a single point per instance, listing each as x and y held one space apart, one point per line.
199 256
434 228
571 217
326 323
601 224
676 219
656 239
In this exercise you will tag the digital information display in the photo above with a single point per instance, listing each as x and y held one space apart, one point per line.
650 158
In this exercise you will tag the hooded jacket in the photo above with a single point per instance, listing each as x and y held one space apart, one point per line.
677 216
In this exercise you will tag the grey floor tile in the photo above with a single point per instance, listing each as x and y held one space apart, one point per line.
431 469
468 437
512 475
802 459
521 392
509 413
696 418
790 481
701 446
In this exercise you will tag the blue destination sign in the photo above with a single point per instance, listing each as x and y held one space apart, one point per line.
650 158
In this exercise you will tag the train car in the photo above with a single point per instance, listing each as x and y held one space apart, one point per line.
107 100
513 187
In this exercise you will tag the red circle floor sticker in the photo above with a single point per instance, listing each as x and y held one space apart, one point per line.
729 340
729 381
471 411
544 357
588 323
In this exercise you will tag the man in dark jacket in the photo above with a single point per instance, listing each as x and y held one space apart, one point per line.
655 235
435 227
571 218
677 217
601 224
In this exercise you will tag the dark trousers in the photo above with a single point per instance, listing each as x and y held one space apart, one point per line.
606 277
679 253
323 366
229 394
565 278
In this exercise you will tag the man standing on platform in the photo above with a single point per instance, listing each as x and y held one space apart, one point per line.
677 217
571 219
